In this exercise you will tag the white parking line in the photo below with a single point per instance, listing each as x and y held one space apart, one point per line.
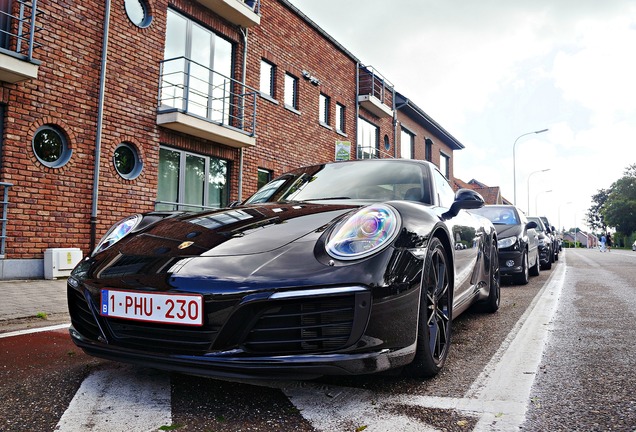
122 399
34 330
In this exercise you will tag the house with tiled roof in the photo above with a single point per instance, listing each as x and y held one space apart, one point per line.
491 194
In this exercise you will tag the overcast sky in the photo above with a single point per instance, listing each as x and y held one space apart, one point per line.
492 70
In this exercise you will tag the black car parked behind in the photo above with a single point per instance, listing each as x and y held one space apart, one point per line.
517 241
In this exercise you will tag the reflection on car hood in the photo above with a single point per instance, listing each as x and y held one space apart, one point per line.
236 231
507 230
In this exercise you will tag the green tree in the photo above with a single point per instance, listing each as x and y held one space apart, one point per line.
595 219
619 210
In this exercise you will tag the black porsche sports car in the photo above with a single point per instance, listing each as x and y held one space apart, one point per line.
341 268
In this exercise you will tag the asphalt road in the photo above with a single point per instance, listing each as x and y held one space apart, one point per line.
583 381
587 377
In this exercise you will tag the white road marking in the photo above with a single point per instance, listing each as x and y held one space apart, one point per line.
34 330
122 399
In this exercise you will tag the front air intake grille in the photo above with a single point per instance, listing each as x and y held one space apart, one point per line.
294 326
167 339
81 316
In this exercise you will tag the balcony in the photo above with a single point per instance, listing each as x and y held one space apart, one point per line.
245 13
17 41
375 93
198 101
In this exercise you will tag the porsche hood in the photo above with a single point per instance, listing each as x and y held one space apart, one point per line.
228 232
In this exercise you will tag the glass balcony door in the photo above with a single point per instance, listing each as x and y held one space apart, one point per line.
196 79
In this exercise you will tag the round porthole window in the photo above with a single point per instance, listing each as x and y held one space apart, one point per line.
127 162
51 147
138 12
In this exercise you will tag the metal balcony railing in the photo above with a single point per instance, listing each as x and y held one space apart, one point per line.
371 82
5 204
17 30
192 88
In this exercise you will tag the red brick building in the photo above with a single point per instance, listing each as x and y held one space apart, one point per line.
113 108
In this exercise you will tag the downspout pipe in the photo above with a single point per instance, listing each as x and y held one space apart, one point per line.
243 72
357 120
100 117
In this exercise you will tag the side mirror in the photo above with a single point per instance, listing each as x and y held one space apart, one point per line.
531 225
465 199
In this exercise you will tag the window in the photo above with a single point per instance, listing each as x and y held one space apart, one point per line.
445 194
2 108
267 78
444 164
138 12
291 91
368 139
189 181
340 118
264 177
207 57
428 149
127 161
5 23
324 109
407 140
51 147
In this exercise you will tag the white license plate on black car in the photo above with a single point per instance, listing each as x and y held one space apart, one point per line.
182 309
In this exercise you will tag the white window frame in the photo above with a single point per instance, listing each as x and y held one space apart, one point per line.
291 91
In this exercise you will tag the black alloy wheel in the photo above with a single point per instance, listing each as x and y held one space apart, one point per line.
434 326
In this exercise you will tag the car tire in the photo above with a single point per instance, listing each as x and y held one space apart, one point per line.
548 265
434 326
556 255
551 256
523 277
535 270
494 292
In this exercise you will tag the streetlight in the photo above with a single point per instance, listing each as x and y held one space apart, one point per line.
514 168
536 200
534 172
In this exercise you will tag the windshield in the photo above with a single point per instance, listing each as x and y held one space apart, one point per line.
499 215
362 180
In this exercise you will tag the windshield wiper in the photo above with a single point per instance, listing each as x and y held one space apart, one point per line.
327 198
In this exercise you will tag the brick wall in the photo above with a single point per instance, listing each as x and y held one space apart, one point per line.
52 207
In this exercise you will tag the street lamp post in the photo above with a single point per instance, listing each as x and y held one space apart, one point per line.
514 162
534 172
536 200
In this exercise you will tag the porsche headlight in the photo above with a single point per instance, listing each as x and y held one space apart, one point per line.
363 233
118 232
506 242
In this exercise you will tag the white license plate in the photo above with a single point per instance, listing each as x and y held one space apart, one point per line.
183 309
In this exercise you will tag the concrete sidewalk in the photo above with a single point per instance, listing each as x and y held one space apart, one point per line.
22 301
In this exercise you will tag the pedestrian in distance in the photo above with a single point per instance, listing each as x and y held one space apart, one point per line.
608 242
603 240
